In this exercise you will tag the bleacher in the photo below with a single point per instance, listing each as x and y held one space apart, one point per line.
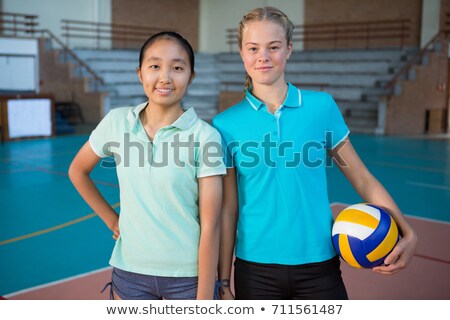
117 67
356 78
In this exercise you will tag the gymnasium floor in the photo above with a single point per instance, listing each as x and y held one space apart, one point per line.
52 246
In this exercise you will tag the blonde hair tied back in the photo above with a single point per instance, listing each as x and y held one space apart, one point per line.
260 14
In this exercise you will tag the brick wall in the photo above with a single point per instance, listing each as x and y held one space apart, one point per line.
181 16
445 8
56 79
229 98
329 11
406 114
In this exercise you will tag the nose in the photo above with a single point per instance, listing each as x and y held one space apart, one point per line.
164 76
264 56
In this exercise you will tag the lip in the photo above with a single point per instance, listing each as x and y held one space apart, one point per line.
164 91
264 68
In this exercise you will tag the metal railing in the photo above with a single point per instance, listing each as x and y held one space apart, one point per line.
441 35
121 35
20 25
66 51
16 24
446 29
413 61
335 35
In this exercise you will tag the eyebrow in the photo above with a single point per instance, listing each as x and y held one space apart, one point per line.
173 60
254 43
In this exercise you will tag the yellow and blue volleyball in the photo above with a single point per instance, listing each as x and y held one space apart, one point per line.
364 234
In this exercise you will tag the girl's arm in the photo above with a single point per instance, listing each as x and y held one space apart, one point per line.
371 190
228 224
210 200
79 170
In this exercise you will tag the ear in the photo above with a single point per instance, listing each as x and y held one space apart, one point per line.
289 48
192 78
138 70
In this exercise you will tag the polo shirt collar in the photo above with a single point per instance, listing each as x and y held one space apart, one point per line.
185 121
133 114
293 98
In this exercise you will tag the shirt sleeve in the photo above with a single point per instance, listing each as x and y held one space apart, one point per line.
226 149
336 130
210 159
100 138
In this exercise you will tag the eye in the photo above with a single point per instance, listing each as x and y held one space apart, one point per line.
178 68
274 48
153 66
252 49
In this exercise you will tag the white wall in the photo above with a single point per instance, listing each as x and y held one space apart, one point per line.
430 20
51 12
218 15
19 65
215 17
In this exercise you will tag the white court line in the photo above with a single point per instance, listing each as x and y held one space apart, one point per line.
50 284
428 185
109 268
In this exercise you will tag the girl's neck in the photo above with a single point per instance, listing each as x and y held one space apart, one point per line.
155 117
273 96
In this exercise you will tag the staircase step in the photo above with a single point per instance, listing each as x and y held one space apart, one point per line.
355 78
86 54
361 122
362 129
335 55
357 105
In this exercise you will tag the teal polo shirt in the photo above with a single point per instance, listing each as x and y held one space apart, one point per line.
280 161
159 215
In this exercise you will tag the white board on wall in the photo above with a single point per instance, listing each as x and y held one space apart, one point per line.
29 118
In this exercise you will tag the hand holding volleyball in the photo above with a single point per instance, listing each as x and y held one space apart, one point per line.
364 234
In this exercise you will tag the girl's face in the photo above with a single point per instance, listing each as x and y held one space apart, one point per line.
165 72
265 52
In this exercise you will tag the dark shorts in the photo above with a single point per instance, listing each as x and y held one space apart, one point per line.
314 281
135 286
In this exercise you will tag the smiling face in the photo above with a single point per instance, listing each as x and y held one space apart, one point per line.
165 72
264 51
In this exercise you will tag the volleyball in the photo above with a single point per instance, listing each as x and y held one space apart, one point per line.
364 234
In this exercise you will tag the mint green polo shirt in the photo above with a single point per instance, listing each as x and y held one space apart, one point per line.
280 161
159 214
